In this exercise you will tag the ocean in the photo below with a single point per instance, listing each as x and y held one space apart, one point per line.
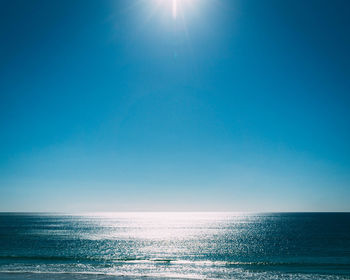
174 246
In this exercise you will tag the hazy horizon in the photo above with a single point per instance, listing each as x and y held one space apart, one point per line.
184 105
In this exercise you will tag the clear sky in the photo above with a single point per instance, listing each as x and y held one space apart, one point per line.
219 105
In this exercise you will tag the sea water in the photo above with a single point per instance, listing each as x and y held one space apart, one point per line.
175 245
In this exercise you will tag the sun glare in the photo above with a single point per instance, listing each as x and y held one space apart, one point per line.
174 10
175 7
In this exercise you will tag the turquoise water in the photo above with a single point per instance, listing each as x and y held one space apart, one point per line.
175 245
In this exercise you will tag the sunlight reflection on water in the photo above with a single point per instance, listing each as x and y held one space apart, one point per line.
201 245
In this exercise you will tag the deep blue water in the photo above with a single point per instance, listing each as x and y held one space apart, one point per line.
175 245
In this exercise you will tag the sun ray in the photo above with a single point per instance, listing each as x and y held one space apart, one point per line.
174 9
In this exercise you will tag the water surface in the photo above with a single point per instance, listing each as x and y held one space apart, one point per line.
175 245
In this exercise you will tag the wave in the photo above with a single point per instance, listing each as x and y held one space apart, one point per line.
80 259
79 275
103 274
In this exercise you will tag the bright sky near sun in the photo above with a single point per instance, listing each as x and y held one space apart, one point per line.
205 105
175 6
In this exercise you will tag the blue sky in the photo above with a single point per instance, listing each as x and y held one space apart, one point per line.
236 105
